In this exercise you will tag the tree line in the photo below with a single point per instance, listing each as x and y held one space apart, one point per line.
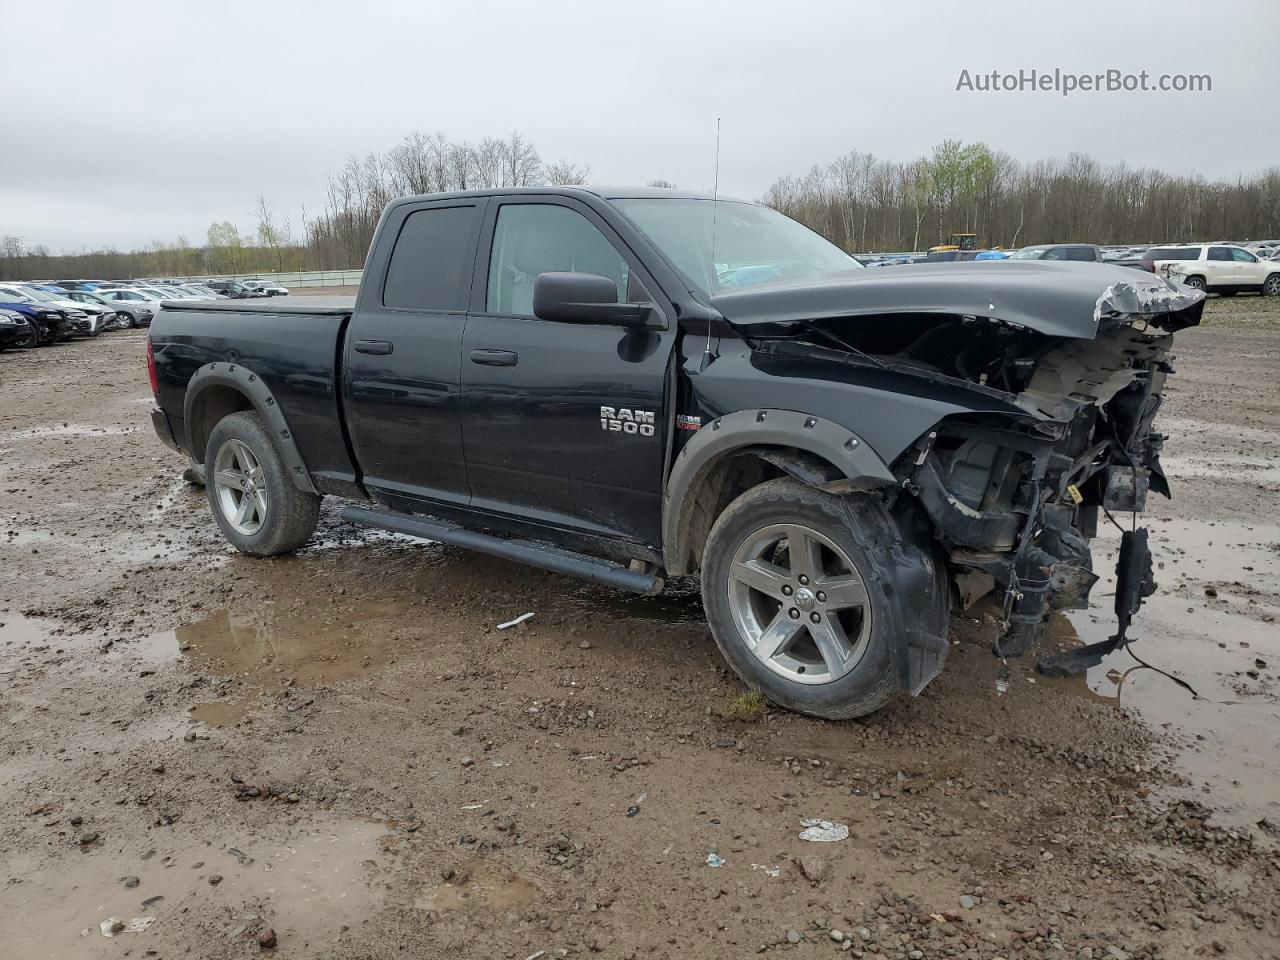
860 202
866 204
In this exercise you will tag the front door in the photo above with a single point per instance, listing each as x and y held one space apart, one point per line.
401 379
563 424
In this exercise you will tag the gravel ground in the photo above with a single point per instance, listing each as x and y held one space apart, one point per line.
338 755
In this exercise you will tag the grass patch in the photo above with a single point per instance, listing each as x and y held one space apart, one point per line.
747 707
1242 310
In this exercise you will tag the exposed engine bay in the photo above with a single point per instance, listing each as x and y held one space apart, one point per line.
1014 499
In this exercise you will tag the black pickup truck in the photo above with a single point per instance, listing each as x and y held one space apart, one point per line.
634 384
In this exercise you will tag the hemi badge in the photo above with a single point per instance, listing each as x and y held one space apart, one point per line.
685 422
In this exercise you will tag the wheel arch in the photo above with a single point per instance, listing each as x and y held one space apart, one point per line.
739 450
217 390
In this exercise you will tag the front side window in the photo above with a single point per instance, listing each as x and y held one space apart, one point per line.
534 238
1055 253
1032 253
429 263
1243 256
720 245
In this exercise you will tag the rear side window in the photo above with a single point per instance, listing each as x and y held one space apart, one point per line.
1080 253
1173 253
1219 253
430 265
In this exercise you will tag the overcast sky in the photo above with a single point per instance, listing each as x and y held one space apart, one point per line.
128 122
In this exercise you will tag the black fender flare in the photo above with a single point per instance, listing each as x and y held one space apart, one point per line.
251 386
859 467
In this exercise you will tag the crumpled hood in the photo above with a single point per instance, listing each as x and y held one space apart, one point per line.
1056 299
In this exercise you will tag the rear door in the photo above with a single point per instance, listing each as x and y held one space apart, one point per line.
1219 267
564 424
401 367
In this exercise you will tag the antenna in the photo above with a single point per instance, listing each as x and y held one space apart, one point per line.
715 199
715 206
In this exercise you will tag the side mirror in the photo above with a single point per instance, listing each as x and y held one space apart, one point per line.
585 298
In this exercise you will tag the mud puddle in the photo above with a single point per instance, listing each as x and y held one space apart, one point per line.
1218 641
66 430
482 888
267 652
108 550
306 885
679 604
1238 468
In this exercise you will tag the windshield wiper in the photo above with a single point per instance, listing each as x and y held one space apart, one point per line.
842 343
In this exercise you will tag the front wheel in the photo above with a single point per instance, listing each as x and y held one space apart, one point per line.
255 504
1272 286
800 591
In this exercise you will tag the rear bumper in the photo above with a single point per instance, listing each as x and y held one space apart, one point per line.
160 422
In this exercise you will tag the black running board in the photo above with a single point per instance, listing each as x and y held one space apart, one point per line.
522 551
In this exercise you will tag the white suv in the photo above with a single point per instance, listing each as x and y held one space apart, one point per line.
1220 268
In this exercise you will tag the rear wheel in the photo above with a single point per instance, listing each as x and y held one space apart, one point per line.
254 502
798 593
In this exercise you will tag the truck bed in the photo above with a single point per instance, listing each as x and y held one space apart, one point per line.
293 348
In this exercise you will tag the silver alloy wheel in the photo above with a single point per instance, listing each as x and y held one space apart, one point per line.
240 487
800 603
1273 285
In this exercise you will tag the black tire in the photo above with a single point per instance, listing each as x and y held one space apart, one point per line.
28 339
290 514
1195 283
869 536
125 321
1271 286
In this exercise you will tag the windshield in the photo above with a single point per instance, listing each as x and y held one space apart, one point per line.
156 294
753 244
12 294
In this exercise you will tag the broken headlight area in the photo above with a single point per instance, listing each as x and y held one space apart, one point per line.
1014 496
1016 500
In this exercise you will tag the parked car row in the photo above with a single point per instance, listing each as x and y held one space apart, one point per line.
38 313
1222 268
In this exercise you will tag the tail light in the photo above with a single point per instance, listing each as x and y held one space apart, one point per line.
151 368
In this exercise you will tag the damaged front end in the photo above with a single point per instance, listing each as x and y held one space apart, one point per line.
1014 496
1016 502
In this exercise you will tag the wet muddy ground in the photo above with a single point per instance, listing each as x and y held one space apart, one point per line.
339 754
